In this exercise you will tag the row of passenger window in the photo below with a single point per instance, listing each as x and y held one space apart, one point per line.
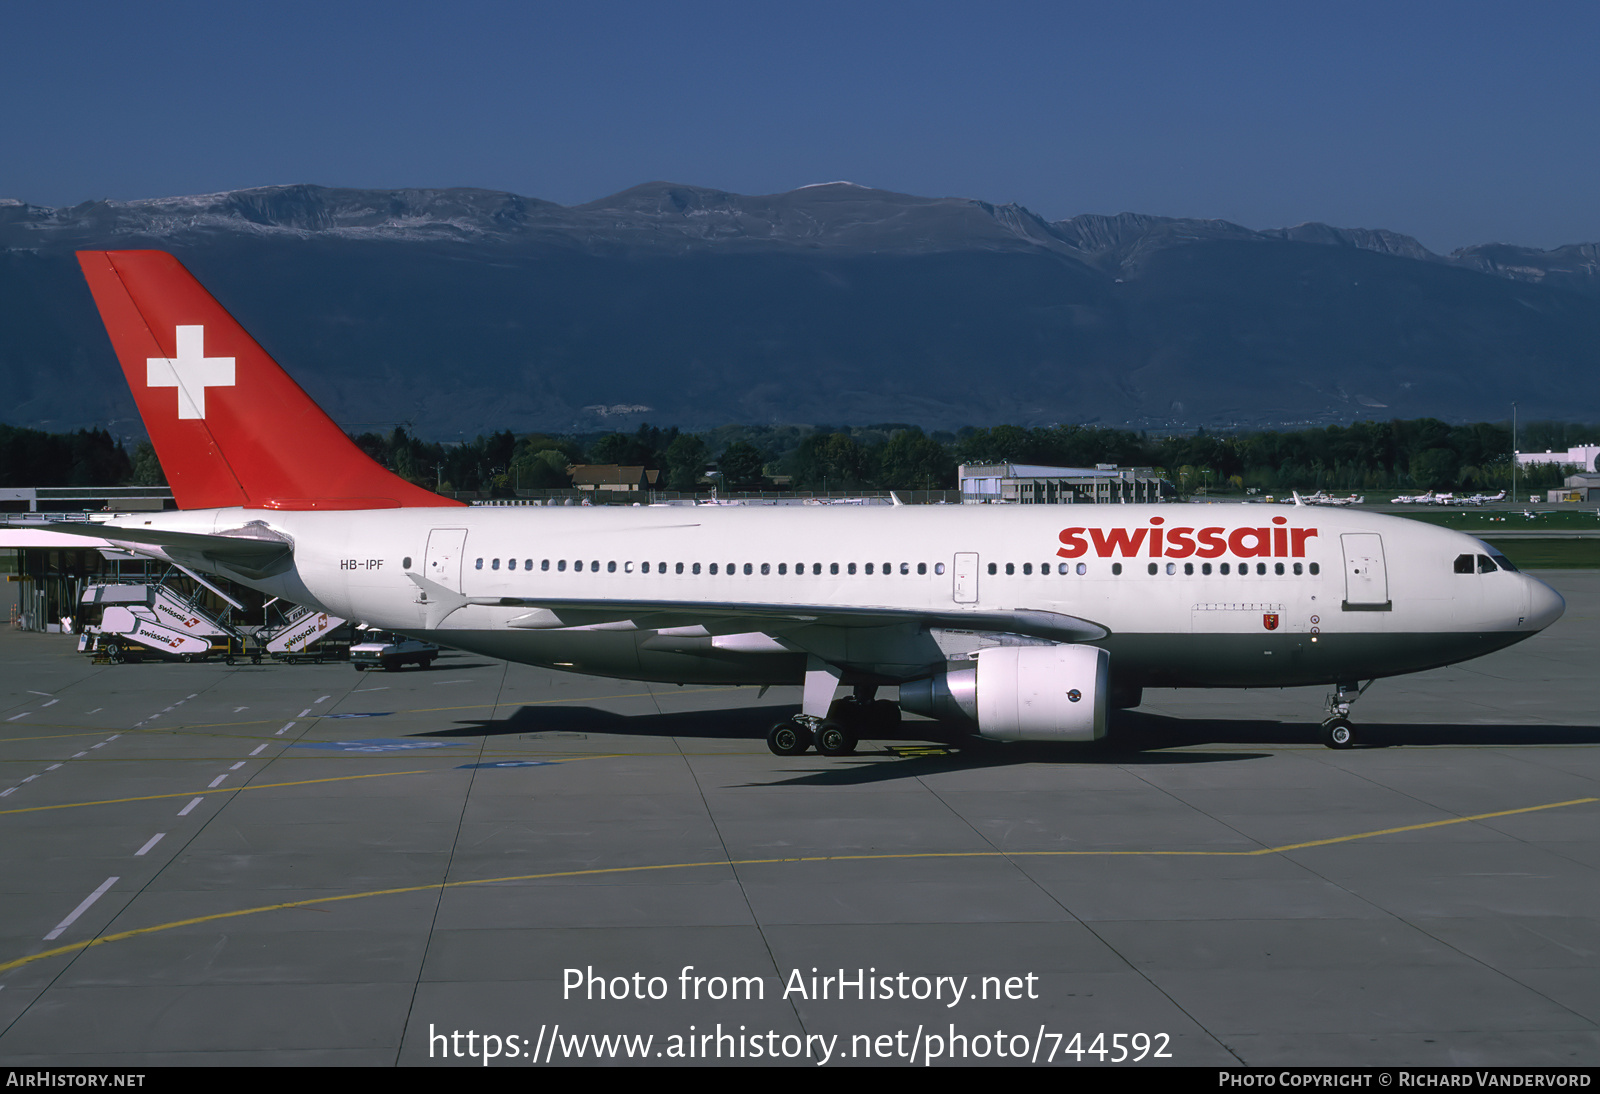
765 568
1222 568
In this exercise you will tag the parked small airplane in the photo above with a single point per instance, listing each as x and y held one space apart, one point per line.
1322 498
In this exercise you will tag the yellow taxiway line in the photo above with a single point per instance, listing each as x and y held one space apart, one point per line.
599 871
276 786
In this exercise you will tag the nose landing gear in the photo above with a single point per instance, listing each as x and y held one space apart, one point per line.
1337 732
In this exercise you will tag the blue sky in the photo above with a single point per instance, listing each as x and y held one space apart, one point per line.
1457 122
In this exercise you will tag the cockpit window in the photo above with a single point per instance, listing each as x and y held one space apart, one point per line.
1502 561
1485 566
1463 564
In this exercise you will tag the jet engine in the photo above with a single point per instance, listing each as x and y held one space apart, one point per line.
1021 693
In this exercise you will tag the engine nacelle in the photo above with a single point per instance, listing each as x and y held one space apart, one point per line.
1021 693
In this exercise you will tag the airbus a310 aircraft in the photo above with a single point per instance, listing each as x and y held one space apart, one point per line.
1021 623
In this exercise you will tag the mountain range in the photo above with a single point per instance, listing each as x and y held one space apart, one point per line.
458 311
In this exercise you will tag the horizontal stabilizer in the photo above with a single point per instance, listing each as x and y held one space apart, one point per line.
253 551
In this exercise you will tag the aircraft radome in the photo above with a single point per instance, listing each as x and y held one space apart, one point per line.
1020 623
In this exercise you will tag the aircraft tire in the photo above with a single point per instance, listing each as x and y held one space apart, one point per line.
835 740
1338 733
788 739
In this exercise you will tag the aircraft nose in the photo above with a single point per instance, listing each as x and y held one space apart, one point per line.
1545 605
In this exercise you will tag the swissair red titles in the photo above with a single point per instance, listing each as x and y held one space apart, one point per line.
1275 541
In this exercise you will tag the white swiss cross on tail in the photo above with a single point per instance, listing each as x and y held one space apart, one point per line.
191 372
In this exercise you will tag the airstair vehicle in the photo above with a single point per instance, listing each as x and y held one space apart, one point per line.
300 633
138 618
134 618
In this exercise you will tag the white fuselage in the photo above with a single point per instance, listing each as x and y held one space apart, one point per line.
1188 595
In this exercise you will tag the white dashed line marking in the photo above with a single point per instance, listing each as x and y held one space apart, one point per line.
80 909
79 755
285 729
46 694
97 710
155 839
237 766
51 703
113 737
214 782
14 717
258 749
7 791
184 812
102 744
30 778
324 699
236 710
52 767
306 713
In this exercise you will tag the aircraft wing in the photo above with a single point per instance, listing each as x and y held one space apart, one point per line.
553 613
253 550
1024 621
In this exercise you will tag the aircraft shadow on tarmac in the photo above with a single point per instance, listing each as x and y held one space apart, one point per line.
1136 738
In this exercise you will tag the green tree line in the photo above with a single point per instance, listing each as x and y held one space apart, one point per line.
1416 454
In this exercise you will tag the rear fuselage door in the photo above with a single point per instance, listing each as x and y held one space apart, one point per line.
1366 578
966 577
446 546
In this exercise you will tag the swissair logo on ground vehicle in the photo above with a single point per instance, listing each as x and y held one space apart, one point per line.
191 372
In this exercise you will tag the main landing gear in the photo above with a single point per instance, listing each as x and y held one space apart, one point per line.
837 734
1337 732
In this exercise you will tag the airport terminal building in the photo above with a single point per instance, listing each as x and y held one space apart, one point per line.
1582 457
46 572
1036 484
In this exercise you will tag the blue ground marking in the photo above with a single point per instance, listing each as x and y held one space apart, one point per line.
380 744
373 714
509 763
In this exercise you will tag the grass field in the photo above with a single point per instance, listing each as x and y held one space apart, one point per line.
1550 554
1530 554
1488 521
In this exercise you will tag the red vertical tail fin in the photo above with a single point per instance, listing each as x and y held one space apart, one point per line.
229 425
